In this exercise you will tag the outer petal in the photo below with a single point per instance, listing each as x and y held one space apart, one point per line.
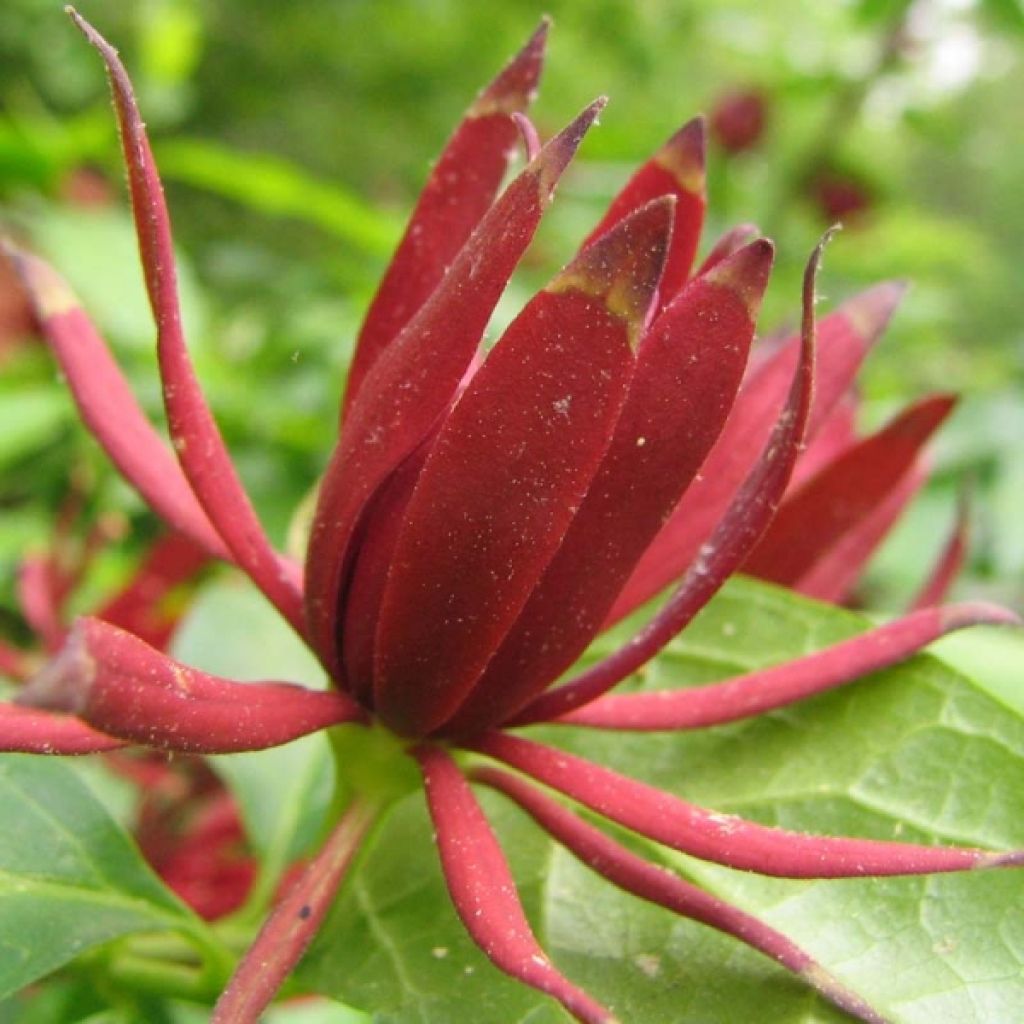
845 338
197 440
724 838
116 683
769 688
677 169
946 569
29 731
508 472
457 194
845 493
688 370
484 892
415 378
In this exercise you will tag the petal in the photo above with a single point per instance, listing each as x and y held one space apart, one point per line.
38 600
197 440
688 369
116 683
414 380
293 923
845 338
836 435
108 407
948 565
734 537
677 169
724 838
659 885
28 731
508 472
766 689
458 193
845 493
484 892
731 242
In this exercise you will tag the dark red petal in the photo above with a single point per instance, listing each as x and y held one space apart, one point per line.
116 683
834 578
457 194
845 338
946 569
29 731
38 601
659 885
143 606
484 892
412 383
108 407
757 692
845 493
734 537
292 923
508 472
677 169
197 441
731 242
688 369
836 435
724 838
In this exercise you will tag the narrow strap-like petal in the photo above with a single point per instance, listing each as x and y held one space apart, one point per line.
31 731
118 684
837 434
775 687
484 892
461 187
677 169
724 838
293 923
658 885
688 369
508 473
144 605
415 378
735 536
845 338
197 440
843 494
38 601
947 567
108 407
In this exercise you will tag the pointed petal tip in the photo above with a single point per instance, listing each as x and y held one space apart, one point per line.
684 156
871 310
977 613
624 266
47 291
823 981
515 86
555 156
746 272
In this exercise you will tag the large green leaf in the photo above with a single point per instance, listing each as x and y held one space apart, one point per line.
918 752
69 876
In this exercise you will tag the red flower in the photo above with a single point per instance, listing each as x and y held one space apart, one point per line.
478 524
738 119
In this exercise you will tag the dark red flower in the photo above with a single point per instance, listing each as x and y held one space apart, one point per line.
738 119
481 519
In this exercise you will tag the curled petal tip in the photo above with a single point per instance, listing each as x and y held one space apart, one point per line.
746 272
684 156
871 310
555 156
978 613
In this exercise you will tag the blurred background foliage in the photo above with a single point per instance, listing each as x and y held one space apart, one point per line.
294 137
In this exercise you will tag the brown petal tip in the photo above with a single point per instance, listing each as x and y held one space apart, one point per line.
746 273
871 310
63 683
623 267
48 292
555 156
684 156
515 86
837 993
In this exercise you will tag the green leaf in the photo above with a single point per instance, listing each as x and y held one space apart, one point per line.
283 792
29 418
70 878
918 752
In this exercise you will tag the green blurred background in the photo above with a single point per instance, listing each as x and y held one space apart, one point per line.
294 137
